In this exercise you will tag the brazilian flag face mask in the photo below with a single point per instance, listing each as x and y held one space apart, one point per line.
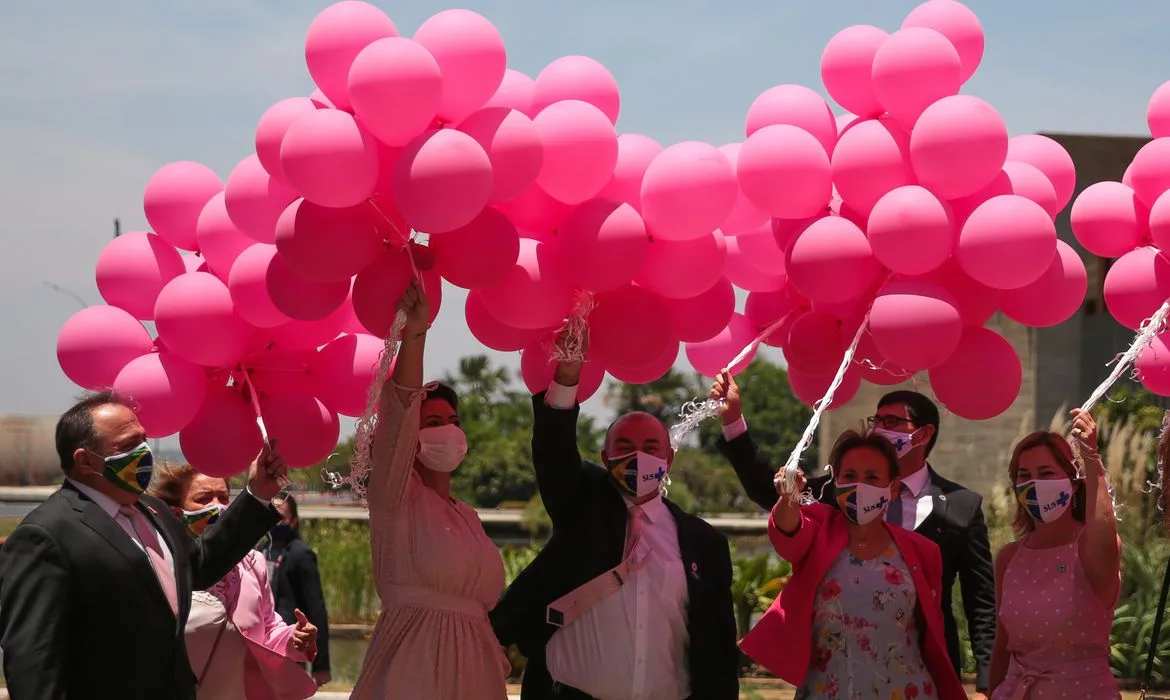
130 471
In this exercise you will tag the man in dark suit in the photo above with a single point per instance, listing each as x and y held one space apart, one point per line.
631 597
96 582
948 514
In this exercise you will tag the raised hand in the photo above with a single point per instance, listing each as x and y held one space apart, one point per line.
725 389
417 307
304 636
1084 428
267 475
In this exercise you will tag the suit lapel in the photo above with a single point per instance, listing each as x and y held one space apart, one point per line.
932 525
686 548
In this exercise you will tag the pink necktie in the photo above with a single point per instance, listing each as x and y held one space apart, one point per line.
149 540
633 530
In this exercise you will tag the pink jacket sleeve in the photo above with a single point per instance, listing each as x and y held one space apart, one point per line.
278 635
794 548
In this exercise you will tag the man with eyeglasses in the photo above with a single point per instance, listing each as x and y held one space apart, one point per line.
947 513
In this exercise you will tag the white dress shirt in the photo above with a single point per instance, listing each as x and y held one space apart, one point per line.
917 503
632 645
110 506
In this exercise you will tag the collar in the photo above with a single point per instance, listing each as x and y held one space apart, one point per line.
109 505
916 482
654 509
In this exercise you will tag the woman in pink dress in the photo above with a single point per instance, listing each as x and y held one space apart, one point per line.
436 570
1058 583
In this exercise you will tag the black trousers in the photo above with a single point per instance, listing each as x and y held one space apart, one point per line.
560 690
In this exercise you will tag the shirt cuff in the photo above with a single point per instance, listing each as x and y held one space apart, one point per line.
733 430
560 397
249 490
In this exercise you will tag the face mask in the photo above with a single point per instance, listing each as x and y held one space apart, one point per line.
1045 499
281 532
198 520
637 474
902 442
862 503
442 448
130 471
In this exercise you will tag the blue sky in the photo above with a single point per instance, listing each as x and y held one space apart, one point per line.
98 95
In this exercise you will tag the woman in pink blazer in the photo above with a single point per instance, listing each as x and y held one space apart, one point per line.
860 616
239 648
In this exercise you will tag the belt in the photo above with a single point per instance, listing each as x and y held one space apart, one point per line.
1072 669
427 598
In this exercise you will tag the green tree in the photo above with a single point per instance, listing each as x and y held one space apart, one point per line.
662 398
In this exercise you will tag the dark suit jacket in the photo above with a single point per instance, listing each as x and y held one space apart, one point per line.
956 525
588 538
296 583
81 612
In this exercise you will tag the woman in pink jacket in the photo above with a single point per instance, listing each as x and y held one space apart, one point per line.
239 648
860 616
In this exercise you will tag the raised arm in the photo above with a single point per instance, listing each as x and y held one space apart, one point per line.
1100 546
555 456
34 627
755 473
977 585
791 528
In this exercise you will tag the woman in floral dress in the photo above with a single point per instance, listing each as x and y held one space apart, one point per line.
860 619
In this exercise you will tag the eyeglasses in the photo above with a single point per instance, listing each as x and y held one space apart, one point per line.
889 422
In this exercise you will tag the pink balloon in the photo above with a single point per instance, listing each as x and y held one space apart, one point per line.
512 144
1108 219
958 24
831 261
1149 172
1053 298
517 92
912 69
480 254
958 145
871 159
279 371
981 379
197 320
1159 222
193 263
255 200
308 335
535 210
768 308
1153 365
635 153
755 262
300 298
785 231
915 325
911 231
248 284
744 216
602 245
223 438
961 207
377 289
815 344
976 301
797 106
343 370
874 368
133 268
97 342
174 197
1136 285
535 294
683 269
336 36
1050 158
164 390
630 327
1007 242
688 190
578 78
471 55
710 357
701 317
304 428
537 371
395 87
784 170
330 159
442 181
325 244
650 372
493 333
220 240
1158 111
1027 181
847 68
811 388
320 101
580 150
272 127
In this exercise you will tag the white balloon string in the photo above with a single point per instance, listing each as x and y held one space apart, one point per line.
569 345
695 413
254 397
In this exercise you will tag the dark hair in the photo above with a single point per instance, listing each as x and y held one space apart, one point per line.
1055 442
170 482
921 409
75 427
852 440
438 390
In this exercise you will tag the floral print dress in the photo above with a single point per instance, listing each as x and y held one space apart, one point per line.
865 634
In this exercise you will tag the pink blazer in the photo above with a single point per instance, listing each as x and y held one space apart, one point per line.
273 670
782 640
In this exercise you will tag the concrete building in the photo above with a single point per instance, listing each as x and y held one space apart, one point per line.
1061 365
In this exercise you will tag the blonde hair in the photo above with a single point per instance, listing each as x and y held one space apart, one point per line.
170 482
1062 452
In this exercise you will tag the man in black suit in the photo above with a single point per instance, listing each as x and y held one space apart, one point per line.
948 514
631 597
96 582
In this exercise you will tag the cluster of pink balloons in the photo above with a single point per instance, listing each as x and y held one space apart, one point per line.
1130 221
